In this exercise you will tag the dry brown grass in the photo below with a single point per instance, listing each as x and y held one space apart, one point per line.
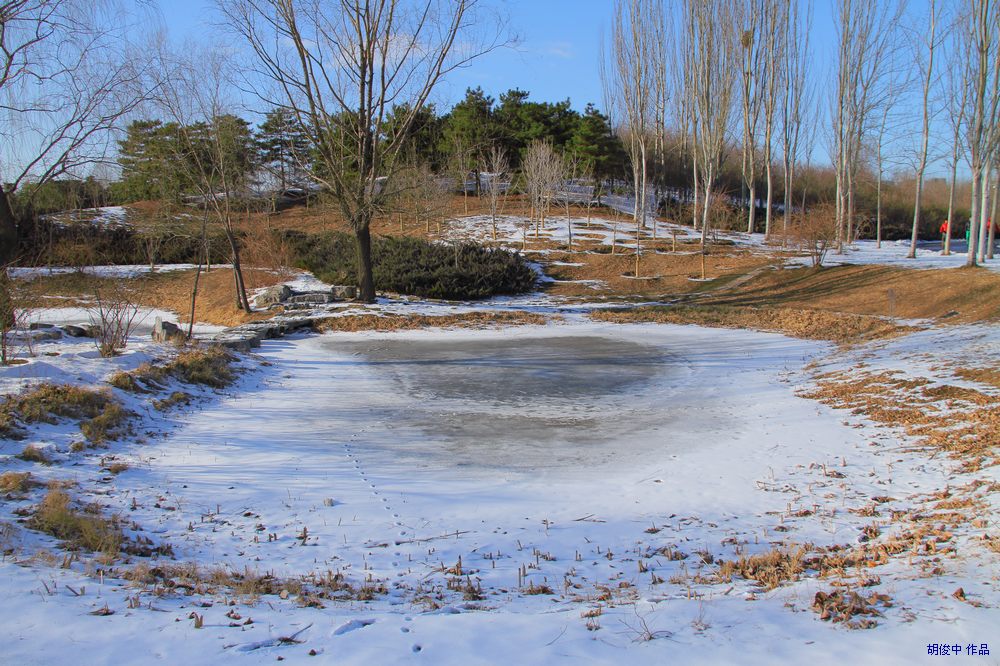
771 569
208 366
661 274
34 454
809 324
216 302
960 421
86 529
988 376
101 417
47 403
108 425
66 289
15 482
8 423
173 400
116 467
959 295
841 606
370 322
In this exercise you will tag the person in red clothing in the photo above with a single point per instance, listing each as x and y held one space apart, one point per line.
944 230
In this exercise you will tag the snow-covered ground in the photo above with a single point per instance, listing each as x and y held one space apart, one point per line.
575 457
106 216
119 271
893 253
513 231
521 495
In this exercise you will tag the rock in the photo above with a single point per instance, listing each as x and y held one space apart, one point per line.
81 330
165 331
274 295
311 298
241 341
344 292
37 326
42 335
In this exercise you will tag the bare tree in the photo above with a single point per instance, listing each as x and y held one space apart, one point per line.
885 100
663 93
795 98
460 164
570 172
543 170
498 182
993 209
340 66
958 73
682 69
866 34
417 192
751 80
714 52
981 29
880 144
774 45
68 75
928 46
629 79
212 141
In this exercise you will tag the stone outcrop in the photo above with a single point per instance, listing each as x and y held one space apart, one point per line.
165 331
273 295
81 330
282 294
249 336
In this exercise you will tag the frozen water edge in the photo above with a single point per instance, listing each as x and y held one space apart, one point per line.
339 418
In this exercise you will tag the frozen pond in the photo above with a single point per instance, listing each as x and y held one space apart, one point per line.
517 403
516 372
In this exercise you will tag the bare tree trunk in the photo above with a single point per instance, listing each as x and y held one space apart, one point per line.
8 229
993 213
951 200
366 284
878 204
982 131
694 205
984 215
922 166
775 44
770 196
197 278
973 224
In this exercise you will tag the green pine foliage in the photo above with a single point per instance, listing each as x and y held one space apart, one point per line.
416 267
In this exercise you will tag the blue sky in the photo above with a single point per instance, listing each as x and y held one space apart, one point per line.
556 56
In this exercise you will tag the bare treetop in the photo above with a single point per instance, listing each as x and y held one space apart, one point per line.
341 67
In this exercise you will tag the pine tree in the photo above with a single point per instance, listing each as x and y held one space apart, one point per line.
595 143
284 150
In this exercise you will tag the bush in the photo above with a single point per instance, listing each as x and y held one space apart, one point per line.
115 313
415 267
814 233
